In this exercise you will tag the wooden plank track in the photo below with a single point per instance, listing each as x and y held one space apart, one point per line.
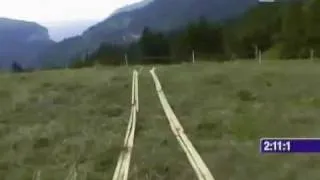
199 166
123 165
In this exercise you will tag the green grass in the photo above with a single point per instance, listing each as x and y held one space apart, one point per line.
226 108
51 120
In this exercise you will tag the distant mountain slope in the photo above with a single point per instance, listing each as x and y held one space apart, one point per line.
132 7
162 15
21 41
63 30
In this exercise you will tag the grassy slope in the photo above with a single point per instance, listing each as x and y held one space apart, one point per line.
225 124
50 119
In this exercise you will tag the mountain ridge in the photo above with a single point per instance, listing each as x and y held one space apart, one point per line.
21 41
131 7
126 26
59 31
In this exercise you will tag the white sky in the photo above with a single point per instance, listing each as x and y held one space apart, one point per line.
50 11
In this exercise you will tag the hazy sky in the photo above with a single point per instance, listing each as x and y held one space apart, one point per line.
49 11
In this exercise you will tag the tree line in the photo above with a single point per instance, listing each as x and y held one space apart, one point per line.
282 30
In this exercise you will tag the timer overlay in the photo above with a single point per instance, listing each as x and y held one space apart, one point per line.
290 145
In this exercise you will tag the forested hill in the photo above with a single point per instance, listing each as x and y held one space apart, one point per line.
126 26
286 30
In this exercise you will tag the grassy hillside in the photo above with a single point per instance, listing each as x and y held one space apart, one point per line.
226 108
49 120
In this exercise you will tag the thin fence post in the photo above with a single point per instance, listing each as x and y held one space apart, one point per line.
256 52
193 57
260 58
311 54
126 58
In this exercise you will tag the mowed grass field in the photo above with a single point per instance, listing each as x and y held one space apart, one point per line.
50 120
